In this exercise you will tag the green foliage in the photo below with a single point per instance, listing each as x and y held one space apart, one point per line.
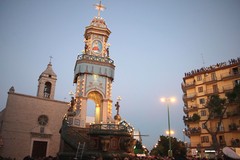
161 149
234 96
138 148
216 105
231 96
195 117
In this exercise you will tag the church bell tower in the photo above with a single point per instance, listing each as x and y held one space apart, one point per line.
94 74
46 83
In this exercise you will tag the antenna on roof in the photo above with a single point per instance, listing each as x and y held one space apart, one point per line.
203 60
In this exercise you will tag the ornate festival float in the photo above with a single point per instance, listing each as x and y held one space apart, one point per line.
107 137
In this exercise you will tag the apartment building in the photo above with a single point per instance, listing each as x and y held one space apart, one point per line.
197 86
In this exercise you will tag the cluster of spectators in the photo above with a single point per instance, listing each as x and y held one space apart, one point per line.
193 130
40 158
235 142
31 158
218 65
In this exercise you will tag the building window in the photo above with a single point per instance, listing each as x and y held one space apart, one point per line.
213 76
202 101
222 139
200 89
199 77
204 139
215 88
235 70
220 125
203 113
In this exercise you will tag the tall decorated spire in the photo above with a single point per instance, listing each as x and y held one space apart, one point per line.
94 73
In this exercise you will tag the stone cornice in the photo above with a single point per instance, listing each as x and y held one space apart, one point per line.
30 96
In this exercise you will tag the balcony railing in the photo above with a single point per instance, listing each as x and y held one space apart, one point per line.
210 79
110 128
233 113
227 88
188 85
235 142
221 129
192 131
192 108
95 58
212 91
234 127
230 75
188 119
185 109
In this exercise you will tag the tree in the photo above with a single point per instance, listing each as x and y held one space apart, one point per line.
138 148
217 107
234 96
161 149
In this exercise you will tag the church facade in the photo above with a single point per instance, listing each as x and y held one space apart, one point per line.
30 124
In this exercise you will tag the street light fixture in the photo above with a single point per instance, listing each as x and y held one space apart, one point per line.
167 101
171 132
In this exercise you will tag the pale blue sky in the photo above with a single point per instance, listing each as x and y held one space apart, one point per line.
153 43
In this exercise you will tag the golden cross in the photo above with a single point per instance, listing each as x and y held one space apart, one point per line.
99 7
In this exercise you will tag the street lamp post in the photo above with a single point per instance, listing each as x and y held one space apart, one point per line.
167 100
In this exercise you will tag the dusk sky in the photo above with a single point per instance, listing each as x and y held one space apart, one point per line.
153 43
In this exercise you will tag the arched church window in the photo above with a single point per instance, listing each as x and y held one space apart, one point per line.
47 89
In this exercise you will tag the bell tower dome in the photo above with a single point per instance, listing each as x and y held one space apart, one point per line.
46 83
94 73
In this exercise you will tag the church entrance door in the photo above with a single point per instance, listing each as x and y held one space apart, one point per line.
39 149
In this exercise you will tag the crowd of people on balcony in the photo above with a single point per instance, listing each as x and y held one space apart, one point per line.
192 130
235 142
218 65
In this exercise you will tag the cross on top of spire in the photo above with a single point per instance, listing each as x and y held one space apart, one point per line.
50 61
99 7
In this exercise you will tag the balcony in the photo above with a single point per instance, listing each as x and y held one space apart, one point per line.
209 80
235 142
192 108
192 131
191 119
227 88
188 85
183 87
221 129
185 109
234 127
231 75
212 91
184 98
233 113
191 96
